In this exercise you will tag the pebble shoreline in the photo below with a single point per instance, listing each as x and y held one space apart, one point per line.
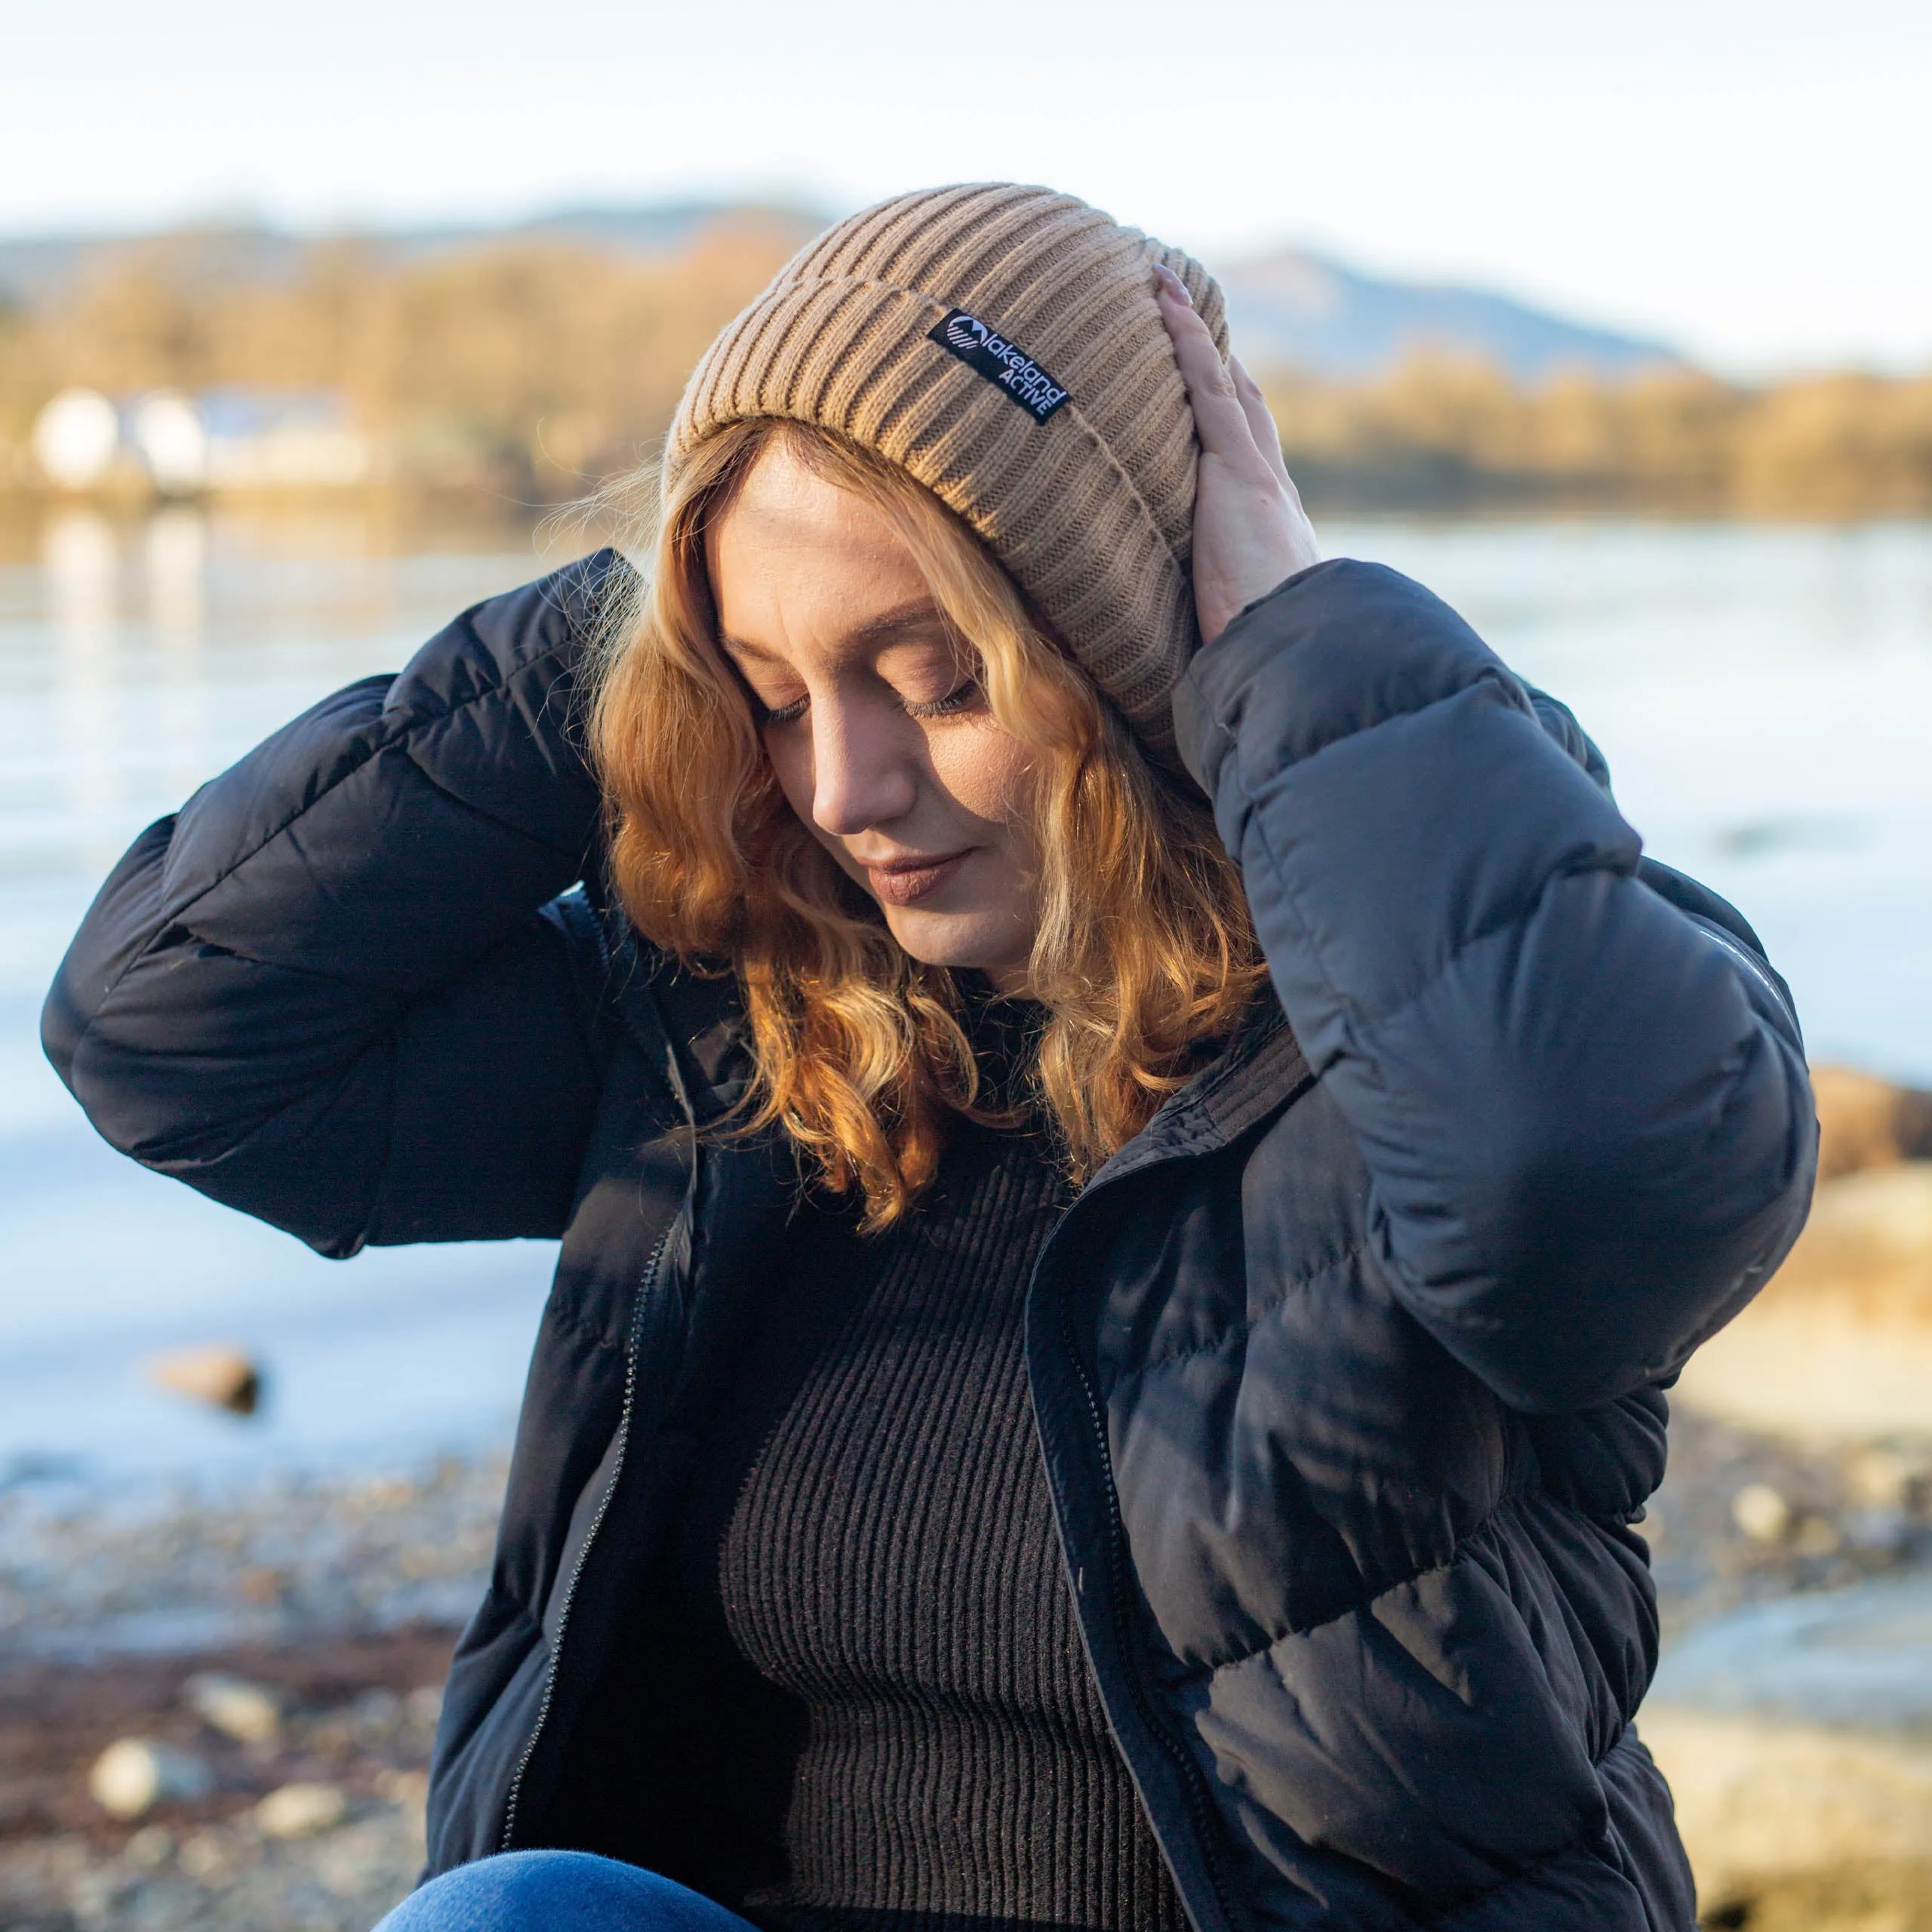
276 1561
341 1598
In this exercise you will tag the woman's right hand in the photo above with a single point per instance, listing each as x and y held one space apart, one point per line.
1250 532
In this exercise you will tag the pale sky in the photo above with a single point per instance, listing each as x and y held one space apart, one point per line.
1747 178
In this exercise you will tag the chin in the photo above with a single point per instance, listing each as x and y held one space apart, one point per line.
987 943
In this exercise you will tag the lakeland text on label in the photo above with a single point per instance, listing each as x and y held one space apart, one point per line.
983 349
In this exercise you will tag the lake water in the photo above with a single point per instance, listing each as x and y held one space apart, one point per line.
1764 694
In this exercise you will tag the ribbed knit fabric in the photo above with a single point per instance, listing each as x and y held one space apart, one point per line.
900 1726
1090 507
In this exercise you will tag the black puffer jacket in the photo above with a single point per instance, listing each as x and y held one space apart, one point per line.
1346 1369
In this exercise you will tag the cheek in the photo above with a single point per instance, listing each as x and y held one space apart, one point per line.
985 772
790 765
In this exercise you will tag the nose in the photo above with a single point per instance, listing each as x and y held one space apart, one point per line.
864 769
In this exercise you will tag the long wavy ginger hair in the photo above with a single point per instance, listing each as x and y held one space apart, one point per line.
1145 950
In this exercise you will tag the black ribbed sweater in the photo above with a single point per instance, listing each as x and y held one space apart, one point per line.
899 1726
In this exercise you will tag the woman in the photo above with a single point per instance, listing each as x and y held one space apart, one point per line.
1126 1203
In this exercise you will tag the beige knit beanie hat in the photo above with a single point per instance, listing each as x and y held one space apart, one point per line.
1002 344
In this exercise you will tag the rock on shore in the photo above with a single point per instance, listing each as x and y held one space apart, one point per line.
1866 1122
1839 1342
316 1828
289 1639
1797 1737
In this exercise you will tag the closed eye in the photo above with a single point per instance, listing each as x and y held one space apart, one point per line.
786 714
961 696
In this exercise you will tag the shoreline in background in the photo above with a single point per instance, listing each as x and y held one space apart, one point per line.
398 524
189 1566
524 365
1437 436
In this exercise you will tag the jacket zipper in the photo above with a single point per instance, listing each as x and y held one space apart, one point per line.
646 1283
1200 1802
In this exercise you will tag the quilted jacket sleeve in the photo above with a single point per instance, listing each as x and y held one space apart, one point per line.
1579 1089
333 991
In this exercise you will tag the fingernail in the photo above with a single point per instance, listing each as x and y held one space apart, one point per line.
1173 283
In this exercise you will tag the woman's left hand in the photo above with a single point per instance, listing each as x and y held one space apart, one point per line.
1250 532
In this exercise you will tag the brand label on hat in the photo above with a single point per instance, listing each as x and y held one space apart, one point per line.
985 351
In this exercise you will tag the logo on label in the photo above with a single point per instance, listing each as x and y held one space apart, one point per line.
987 353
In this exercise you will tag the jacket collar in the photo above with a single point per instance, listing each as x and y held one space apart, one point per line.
1259 1069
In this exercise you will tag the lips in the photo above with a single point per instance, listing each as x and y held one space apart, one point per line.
906 881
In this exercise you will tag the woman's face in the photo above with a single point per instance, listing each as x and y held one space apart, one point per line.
879 735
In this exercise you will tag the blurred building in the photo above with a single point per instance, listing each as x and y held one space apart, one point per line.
171 440
261 438
76 438
237 437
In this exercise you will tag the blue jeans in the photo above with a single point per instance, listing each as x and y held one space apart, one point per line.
557 1891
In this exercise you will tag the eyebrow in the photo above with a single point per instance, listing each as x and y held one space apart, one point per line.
886 628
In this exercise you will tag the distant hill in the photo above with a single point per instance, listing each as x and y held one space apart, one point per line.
1289 309
34 268
1295 310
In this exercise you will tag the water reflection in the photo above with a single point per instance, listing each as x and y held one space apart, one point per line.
176 548
175 551
81 561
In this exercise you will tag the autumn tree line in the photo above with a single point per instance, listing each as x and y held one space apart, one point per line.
532 368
